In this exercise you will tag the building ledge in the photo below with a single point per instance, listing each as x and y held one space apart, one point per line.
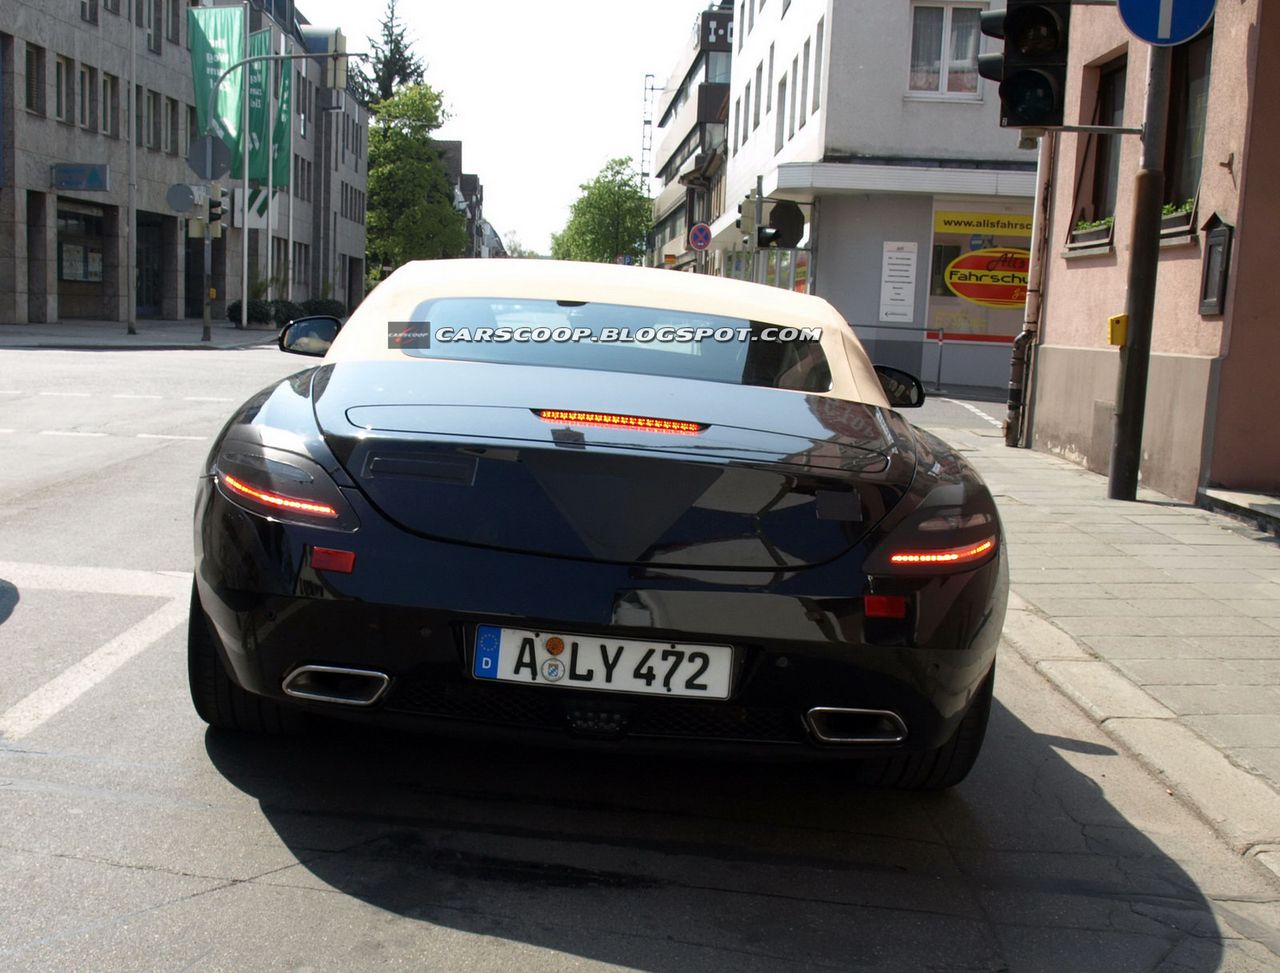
804 180
1076 253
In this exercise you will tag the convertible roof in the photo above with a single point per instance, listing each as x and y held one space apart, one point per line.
365 335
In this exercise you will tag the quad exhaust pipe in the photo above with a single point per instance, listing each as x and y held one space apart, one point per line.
839 724
334 684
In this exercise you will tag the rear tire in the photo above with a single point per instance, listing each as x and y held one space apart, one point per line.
217 699
949 764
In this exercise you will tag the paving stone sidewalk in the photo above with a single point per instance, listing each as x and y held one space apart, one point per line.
1183 602
158 335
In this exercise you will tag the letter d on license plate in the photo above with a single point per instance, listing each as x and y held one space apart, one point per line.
561 661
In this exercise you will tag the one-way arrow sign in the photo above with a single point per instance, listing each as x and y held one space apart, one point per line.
1165 23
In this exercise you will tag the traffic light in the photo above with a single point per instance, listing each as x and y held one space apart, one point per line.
785 228
215 210
1032 71
746 221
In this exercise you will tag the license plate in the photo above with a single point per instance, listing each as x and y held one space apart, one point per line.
590 662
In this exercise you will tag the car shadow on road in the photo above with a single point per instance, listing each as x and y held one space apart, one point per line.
9 599
677 865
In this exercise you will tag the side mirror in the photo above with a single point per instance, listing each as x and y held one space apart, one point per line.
903 389
309 336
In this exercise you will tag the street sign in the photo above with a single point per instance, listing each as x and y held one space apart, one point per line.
700 236
183 198
1165 23
217 153
90 178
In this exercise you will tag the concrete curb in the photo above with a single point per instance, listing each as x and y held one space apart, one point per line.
1242 809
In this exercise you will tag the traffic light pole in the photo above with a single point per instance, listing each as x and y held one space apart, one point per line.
1144 261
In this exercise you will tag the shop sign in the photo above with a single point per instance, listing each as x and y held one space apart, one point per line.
996 277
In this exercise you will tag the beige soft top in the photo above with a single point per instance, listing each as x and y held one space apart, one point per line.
364 337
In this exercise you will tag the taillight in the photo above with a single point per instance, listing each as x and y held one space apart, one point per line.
610 420
277 500
282 485
934 541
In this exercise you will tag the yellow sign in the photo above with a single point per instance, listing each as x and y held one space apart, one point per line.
992 278
986 224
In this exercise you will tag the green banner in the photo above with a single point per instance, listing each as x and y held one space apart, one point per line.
282 135
259 72
217 42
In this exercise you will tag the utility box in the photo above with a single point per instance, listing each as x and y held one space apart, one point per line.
1117 330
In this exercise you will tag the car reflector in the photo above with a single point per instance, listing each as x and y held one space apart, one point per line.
950 555
614 421
884 606
277 500
329 559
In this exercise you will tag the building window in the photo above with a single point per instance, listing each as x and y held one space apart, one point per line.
89 11
780 128
746 114
751 16
737 111
795 83
192 125
171 126
110 105
87 106
139 128
64 89
742 18
817 63
804 84
944 49
155 121
154 15
769 87
755 105
1188 106
786 5
111 6
173 21
1106 158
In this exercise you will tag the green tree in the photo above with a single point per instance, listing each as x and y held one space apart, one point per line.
515 248
608 219
394 64
410 213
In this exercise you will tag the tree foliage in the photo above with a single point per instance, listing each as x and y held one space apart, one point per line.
410 213
393 64
515 248
609 218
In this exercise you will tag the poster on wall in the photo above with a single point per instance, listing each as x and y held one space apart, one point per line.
72 261
978 278
898 283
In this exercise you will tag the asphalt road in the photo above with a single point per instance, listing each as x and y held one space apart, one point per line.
135 839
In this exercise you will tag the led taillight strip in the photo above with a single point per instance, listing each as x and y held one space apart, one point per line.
951 555
276 500
614 421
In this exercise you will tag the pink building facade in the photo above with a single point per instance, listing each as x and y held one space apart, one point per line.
1213 401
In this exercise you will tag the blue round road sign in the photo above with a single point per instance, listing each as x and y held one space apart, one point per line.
700 236
1165 23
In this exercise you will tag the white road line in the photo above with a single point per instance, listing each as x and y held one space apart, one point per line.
11 392
67 432
132 395
205 398
157 435
30 713
6 430
68 395
999 424
97 581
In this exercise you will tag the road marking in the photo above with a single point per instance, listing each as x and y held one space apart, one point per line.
11 392
36 709
205 398
97 581
6 430
999 424
132 395
157 435
68 395
68 432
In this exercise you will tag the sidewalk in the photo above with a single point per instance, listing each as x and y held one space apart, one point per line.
1160 619
153 335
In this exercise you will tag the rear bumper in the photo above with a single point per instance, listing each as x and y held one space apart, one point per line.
411 607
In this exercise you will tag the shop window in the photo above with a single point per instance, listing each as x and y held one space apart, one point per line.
943 254
944 49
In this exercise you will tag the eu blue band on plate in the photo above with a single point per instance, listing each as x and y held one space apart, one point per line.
486 660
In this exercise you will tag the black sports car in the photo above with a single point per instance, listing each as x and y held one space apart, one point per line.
602 505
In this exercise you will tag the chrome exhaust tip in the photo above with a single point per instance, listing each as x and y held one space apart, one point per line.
839 724
334 684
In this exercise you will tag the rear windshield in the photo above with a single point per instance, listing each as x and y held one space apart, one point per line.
615 338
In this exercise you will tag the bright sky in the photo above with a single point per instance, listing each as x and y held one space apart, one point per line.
541 94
